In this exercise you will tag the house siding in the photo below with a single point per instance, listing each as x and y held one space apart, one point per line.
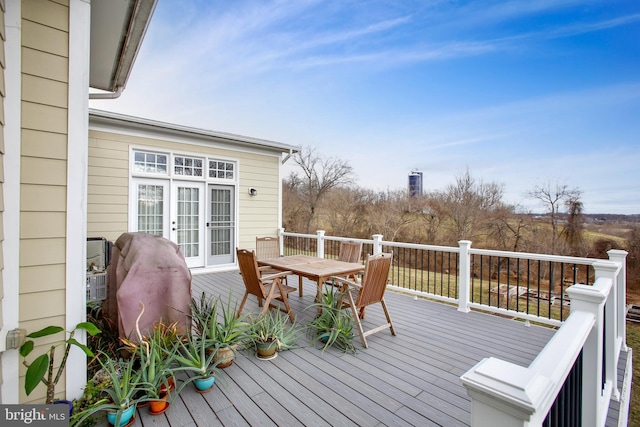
108 184
43 186
3 38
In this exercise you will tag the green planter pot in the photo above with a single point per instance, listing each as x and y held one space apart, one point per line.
267 350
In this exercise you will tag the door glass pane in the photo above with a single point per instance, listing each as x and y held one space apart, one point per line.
221 222
188 219
150 208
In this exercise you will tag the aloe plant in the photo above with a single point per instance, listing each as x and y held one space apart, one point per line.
332 326
193 355
273 326
124 383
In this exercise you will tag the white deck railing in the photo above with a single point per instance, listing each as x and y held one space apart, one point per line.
510 395
520 396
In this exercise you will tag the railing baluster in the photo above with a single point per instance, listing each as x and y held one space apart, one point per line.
436 271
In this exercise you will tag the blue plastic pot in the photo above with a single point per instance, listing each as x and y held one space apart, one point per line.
205 383
124 419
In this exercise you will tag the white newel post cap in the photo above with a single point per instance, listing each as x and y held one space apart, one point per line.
504 394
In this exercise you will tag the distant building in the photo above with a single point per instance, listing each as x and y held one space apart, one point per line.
415 184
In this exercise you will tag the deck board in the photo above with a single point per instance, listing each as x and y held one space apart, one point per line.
412 378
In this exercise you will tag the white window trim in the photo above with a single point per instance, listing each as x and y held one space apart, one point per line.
170 167
135 177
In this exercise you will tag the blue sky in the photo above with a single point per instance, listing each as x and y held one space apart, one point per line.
517 92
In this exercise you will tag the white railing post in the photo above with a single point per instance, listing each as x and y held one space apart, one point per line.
592 299
608 271
504 394
464 276
377 244
620 258
320 244
281 240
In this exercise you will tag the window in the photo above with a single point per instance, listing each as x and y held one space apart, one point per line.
144 162
187 166
221 170
151 209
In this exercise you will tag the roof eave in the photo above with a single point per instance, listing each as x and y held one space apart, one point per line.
110 118
126 34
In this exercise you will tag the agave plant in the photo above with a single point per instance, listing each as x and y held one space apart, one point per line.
332 326
124 383
271 326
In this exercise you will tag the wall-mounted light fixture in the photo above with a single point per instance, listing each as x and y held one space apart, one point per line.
253 191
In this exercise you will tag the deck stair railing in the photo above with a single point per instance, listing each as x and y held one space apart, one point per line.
574 377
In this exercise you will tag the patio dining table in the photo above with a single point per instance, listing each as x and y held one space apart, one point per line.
313 268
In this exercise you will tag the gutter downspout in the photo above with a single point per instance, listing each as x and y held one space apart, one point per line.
108 95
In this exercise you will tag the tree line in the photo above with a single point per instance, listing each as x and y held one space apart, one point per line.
321 194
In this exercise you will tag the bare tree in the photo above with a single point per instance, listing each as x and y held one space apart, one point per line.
507 230
553 197
293 204
573 231
317 177
467 205
343 211
390 213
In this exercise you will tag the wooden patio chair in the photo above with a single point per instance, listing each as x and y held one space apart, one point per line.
370 290
269 247
350 251
267 288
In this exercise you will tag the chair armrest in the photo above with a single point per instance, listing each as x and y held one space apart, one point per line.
276 275
346 282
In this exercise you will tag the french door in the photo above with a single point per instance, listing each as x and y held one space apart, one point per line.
198 217
220 224
187 220
151 207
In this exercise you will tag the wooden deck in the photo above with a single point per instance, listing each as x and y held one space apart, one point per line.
409 379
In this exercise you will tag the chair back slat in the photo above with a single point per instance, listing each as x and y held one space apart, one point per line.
267 247
250 273
374 280
350 251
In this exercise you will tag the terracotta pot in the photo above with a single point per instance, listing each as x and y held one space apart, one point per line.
171 382
160 406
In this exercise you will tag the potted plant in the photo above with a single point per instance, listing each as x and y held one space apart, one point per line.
118 400
271 332
332 326
155 356
223 335
194 356
42 367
